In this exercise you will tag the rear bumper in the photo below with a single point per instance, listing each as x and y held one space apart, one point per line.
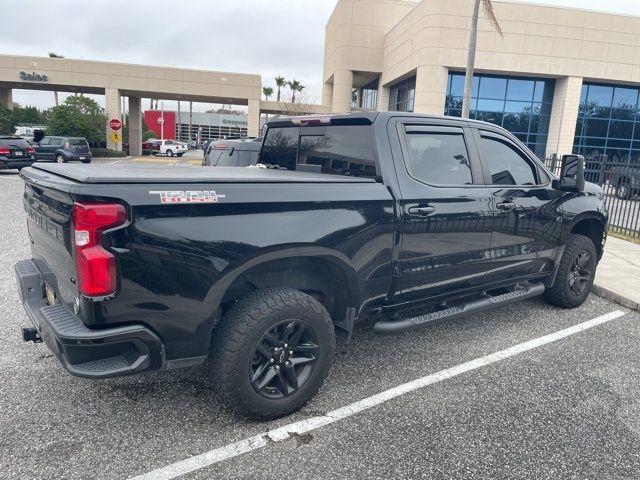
85 352
7 164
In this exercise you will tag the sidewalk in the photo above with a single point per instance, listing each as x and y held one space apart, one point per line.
618 275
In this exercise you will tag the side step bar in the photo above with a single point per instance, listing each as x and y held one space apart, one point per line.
394 327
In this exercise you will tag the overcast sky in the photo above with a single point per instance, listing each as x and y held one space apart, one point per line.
267 37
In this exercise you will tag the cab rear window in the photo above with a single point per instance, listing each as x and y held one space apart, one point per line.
333 150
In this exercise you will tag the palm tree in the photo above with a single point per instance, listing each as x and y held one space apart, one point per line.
267 92
55 93
280 82
295 86
471 56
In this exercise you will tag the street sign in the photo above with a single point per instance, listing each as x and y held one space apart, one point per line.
115 124
116 137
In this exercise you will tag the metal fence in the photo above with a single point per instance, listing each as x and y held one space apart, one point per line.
621 184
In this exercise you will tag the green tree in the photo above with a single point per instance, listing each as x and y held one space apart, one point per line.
7 121
295 86
267 92
29 115
79 116
280 82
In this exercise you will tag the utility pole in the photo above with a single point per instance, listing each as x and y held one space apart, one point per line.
190 118
179 123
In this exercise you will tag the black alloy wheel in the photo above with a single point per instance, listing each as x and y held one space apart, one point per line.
580 274
283 359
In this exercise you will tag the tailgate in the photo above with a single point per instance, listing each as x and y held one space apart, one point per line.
49 209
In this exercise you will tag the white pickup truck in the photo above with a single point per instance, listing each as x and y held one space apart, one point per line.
171 148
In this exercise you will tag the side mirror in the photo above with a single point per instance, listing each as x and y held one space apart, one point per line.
571 174
38 135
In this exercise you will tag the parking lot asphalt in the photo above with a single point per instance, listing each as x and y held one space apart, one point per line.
567 409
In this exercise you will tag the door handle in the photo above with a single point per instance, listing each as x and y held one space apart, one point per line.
421 211
505 206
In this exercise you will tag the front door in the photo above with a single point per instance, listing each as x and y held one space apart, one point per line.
445 218
526 210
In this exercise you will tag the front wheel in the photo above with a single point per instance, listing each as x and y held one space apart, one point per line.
575 275
272 352
169 153
60 159
180 154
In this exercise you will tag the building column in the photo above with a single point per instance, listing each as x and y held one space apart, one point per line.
112 106
342 87
383 98
253 120
6 97
135 126
564 115
327 93
431 89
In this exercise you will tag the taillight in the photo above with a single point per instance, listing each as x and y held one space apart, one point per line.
220 146
95 266
66 146
30 151
5 151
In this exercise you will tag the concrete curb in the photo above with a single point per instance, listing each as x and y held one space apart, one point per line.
615 297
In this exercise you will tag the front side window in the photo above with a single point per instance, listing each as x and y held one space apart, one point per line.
506 165
439 158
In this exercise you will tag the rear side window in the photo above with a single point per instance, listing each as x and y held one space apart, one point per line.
439 158
78 141
228 158
506 165
14 142
335 150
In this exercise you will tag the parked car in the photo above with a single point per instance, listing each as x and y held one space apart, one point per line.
151 146
15 153
410 219
63 149
170 148
626 180
233 153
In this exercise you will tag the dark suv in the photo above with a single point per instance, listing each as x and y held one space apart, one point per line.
232 153
63 149
15 152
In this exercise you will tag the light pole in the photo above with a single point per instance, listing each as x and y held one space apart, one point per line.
161 120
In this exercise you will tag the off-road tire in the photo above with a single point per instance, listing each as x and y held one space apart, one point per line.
234 343
560 293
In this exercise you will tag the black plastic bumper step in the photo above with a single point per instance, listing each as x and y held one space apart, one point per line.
391 327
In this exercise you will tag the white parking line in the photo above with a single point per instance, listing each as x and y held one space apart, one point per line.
284 433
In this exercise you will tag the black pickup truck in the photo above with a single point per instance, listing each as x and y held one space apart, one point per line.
406 218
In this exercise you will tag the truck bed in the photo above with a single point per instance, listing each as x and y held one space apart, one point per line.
136 173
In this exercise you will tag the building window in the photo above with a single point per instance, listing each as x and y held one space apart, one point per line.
369 96
402 95
521 105
608 123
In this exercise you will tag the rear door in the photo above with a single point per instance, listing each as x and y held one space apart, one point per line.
526 212
42 149
445 210
79 147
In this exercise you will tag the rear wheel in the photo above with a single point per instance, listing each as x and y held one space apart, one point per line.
624 191
169 153
272 352
575 274
180 154
60 159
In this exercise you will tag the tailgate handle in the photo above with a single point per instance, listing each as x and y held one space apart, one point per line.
421 210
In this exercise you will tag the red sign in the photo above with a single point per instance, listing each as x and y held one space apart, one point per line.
115 124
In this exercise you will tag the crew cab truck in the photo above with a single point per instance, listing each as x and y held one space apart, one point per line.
411 219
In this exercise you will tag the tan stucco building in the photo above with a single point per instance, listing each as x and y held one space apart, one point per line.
411 55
